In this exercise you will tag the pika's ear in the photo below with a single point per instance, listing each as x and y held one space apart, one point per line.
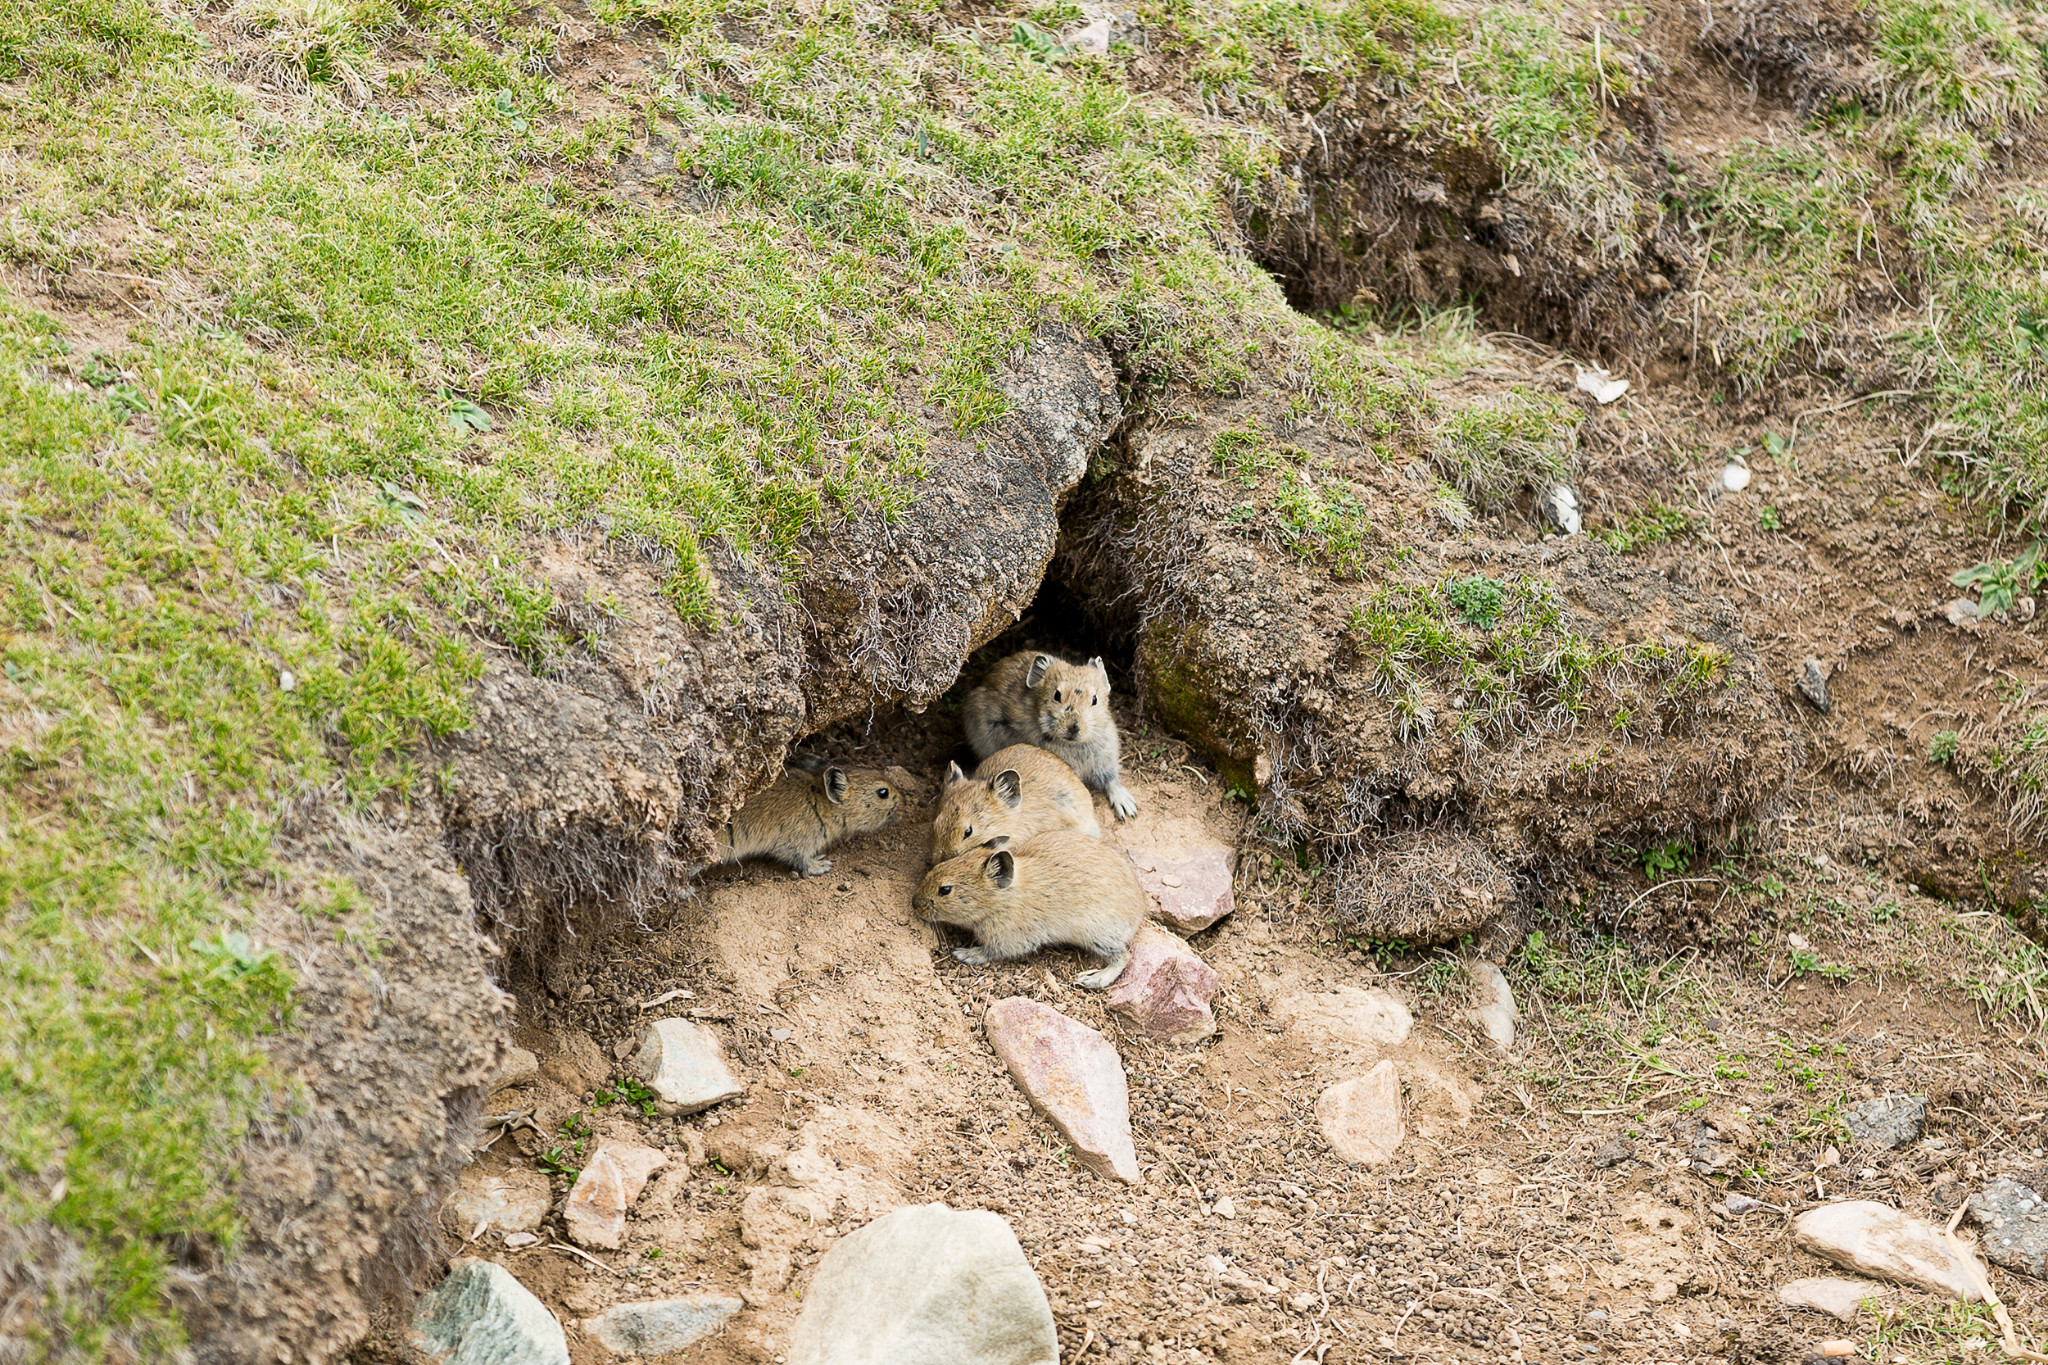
1008 787
1037 670
953 774
1096 664
835 785
1001 868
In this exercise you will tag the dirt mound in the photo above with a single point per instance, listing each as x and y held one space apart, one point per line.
1546 698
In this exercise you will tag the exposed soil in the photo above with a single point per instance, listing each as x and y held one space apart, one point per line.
1534 1193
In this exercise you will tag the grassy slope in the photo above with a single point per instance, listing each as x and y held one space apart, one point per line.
250 543
1913 163
389 330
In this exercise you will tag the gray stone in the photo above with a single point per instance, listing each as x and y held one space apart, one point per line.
684 1066
1890 1121
1876 1239
2015 1222
660 1326
480 1315
1361 1118
514 1200
1493 1003
1073 1075
1612 1153
926 1285
1813 683
1739 1204
1826 1294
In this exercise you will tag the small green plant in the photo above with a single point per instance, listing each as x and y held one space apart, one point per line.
1665 860
1942 749
631 1092
1651 526
2001 582
1806 962
1767 517
1478 599
464 415
655 1253
1776 445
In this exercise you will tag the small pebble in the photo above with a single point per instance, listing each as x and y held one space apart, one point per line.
1226 1207
520 1239
1130 1219
1735 478
780 1035
1740 1203
1837 1347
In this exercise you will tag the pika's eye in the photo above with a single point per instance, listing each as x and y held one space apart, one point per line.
882 792
1056 694
1095 701
946 890
965 833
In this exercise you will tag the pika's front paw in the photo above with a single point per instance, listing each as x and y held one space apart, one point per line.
1101 979
973 957
1122 802
817 867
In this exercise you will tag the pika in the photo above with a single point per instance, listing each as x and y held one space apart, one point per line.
1015 793
805 812
1061 887
1062 708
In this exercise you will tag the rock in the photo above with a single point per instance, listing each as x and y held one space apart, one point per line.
1861 1234
1735 477
1813 683
1604 387
1612 1153
684 1065
1361 1118
480 1315
1739 1204
1093 40
660 1326
578 1064
1368 1020
1226 1207
2015 1222
1837 1349
595 1211
515 1200
521 1068
926 1285
1493 1004
1185 869
1560 506
1166 988
1890 1121
1827 1294
1960 611
1073 1075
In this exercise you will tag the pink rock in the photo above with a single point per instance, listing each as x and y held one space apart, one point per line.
1186 869
1166 989
1073 1075
595 1210
1361 1118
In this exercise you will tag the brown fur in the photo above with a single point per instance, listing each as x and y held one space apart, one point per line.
1015 793
806 812
1063 708
1061 887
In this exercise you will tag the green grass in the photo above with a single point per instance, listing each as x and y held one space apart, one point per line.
1653 525
1507 650
1520 84
1512 442
376 352
1786 225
